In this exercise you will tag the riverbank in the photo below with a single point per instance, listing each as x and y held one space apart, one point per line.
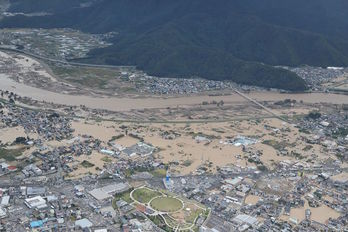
127 104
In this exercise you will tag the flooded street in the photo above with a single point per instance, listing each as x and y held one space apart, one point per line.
173 115
126 104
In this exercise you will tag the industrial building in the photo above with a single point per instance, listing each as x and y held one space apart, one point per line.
108 191
35 202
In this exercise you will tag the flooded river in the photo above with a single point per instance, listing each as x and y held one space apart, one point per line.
125 104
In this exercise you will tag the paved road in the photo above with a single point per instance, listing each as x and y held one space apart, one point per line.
260 105
16 183
177 121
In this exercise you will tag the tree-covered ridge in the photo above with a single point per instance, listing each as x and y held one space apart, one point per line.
239 40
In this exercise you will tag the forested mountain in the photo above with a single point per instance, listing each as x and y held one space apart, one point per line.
240 40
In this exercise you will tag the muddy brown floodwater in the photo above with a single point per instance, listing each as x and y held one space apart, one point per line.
126 104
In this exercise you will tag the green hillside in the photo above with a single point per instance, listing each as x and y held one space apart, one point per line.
239 40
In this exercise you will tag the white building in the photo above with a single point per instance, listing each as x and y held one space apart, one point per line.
83 223
108 191
2 213
5 200
236 181
245 219
107 152
206 229
35 202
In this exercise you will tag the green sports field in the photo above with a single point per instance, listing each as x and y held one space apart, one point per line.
144 195
166 204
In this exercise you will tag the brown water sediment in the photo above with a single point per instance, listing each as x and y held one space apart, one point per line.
126 104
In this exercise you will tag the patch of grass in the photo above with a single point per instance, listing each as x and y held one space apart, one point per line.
127 198
187 163
262 168
170 221
160 223
144 195
251 160
115 137
87 164
10 154
340 156
166 204
86 76
211 137
159 172
307 148
218 130
314 115
128 172
305 131
128 89
297 155
277 145
341 132
193 215
106 159
123 196
114 203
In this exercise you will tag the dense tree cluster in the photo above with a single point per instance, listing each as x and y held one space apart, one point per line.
239 40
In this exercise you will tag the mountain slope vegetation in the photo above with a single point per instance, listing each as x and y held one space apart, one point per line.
239 40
